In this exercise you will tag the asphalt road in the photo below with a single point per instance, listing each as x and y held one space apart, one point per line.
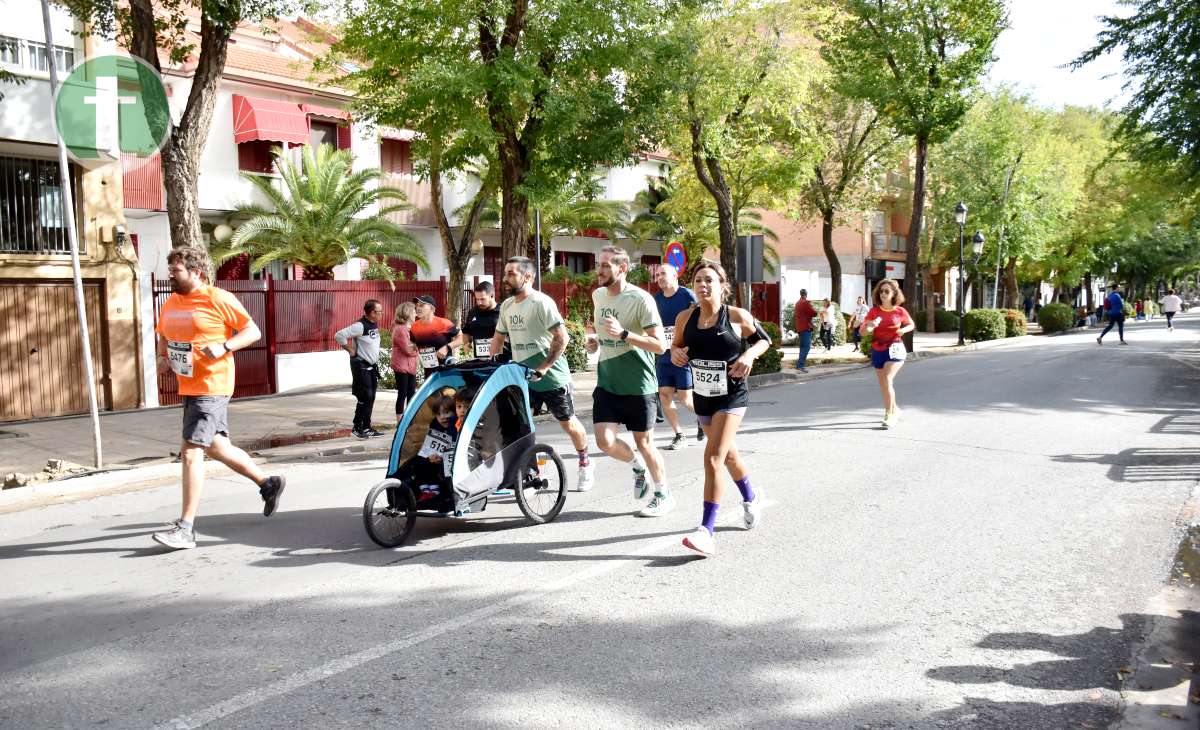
990 563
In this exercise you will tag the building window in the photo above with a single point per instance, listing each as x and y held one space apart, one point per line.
395 156
64 58
576 263
10 51
323 133
256 156
32 218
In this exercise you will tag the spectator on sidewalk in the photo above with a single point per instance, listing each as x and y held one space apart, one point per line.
1171 304
857 318
199 329
361 340
1115 309
804 318
1139 308
828 324
404 357
1028 309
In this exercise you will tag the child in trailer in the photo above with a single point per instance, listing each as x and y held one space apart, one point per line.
429 468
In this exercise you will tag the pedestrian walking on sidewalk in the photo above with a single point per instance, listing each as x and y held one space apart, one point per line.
199 329
674 382
628 336
804 318
888 321
361 340
529 321
719 343
404 357
857 318
828 324
436 338
1171 305
1115 309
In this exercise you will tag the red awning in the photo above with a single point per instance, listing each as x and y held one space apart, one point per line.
268 119
325 111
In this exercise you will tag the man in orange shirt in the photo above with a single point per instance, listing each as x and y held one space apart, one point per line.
436 338
199 328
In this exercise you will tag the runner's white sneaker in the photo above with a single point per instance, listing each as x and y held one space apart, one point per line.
679 442
641 484
701 541
752 511
658 506
585 477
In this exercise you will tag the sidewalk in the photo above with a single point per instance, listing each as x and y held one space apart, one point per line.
151 436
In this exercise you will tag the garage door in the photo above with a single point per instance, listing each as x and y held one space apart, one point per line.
41 362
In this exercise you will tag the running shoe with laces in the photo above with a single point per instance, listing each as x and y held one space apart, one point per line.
585 477
752 511
372 433
176 538
658 506
270 491
641 484
679 442
359 434
701 541
886 420
699 433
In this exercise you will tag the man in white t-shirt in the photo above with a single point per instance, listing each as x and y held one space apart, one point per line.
1171 305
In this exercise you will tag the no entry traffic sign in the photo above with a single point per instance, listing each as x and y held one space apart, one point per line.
675 256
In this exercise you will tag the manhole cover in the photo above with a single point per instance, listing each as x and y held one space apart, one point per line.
13 435
317 424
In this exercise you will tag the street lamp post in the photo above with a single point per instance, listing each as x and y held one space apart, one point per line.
960 217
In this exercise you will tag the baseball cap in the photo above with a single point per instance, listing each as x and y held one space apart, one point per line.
425 298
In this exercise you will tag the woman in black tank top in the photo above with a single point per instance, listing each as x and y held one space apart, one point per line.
719 343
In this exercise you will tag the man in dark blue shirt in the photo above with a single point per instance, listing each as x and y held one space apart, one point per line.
674 382
1115 308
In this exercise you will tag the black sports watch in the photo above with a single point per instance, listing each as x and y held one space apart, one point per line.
624 335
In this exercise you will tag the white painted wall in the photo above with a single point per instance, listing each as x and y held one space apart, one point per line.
625 182
308 369
25 113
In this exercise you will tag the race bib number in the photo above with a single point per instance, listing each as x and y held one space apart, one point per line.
180 356
437 443
669 333
896 351
483 348
428 357
710 378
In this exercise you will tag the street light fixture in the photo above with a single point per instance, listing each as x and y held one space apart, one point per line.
960 217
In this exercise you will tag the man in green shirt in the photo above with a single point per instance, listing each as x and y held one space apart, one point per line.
628 336
530 320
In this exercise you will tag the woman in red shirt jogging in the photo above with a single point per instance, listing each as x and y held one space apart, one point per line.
889 322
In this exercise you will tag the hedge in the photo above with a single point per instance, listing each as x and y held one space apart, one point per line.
576 353
944 320
865 346
1014 323
1056 317
982 325
770 361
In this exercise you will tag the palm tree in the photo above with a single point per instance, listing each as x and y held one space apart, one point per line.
316 220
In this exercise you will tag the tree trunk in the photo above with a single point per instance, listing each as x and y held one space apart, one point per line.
316 271
1010 283
185 141
930 308
835 264
458 253
514 207
1087 282
918 211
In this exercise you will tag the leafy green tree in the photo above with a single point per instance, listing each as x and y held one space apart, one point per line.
917 61
1160 46
324 215
857 147
146 28
738 116
540 87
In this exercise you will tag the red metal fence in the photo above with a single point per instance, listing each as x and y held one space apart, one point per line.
302 316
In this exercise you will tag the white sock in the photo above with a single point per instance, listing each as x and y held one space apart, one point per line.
637 462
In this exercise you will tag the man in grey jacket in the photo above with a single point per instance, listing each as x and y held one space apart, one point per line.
361 340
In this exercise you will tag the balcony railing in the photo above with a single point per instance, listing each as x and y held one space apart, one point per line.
888 243
417 193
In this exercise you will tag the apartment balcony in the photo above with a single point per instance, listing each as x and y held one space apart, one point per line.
418 194
885 243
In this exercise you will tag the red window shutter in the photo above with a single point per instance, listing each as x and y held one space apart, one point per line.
255 156
395 156
343 137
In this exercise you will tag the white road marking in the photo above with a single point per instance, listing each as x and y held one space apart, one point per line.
257 696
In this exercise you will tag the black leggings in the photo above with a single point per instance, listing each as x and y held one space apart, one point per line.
827 337
1170 316
1119 322
406 386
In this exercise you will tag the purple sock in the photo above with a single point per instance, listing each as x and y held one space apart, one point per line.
583 457
709 520
744 487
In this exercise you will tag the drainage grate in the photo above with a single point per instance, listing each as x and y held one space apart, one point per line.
317 424
13 435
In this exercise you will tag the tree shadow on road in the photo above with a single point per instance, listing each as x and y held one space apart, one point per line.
1144 465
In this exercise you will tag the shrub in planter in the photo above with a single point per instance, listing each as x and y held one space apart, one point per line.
576 353
1056 317
772 331
1014 323
387 376
982 325
770 361
865 346
943 320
